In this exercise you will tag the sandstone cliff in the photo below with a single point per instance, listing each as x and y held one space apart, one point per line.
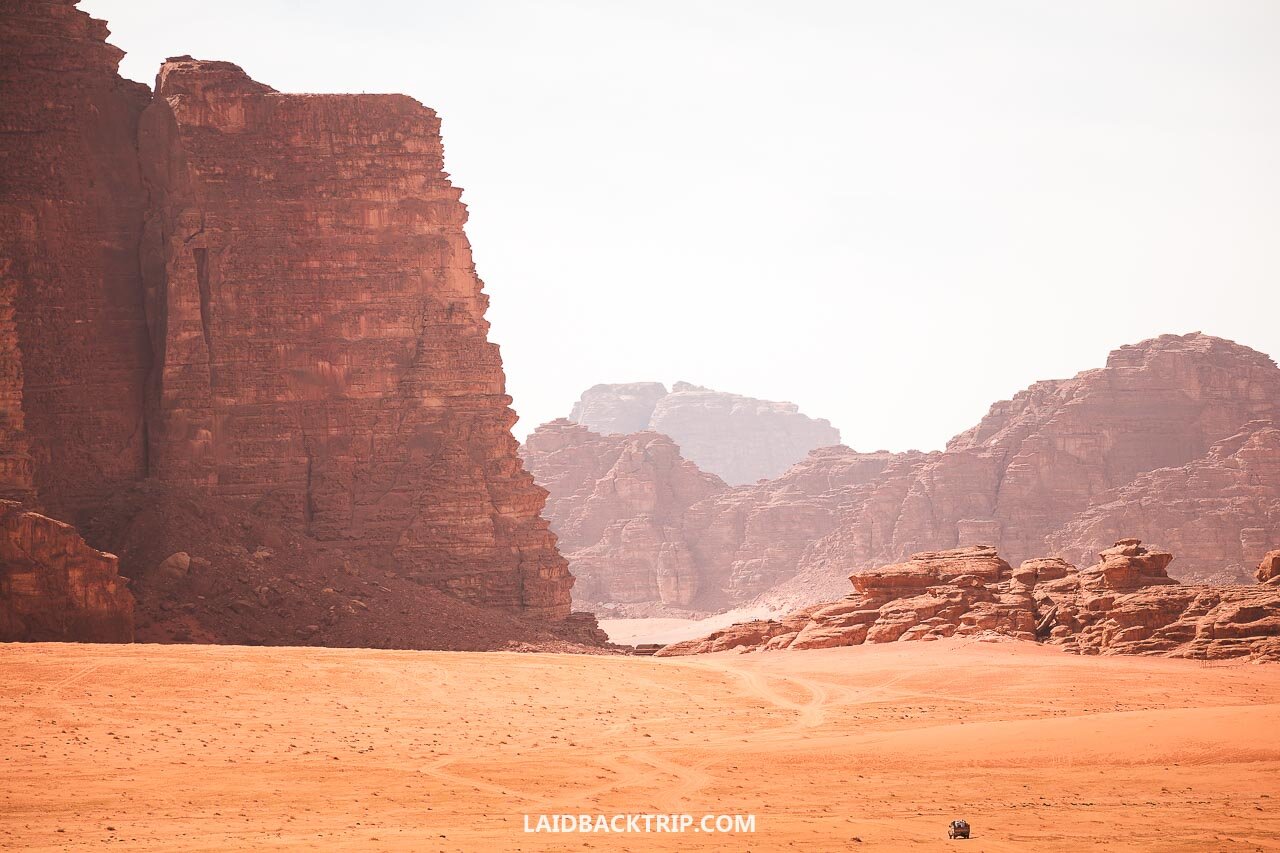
739 439
1219 513
1124 604
618 505
73 341
641 525
609 409
1150 445
320 335
1038 460
254 298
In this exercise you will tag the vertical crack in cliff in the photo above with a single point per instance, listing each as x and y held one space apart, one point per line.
201 257
308 500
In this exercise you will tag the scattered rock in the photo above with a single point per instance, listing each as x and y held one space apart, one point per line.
175 565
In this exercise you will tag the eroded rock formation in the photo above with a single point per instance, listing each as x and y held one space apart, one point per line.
1126 603
643 525
1219 513
739 439
256 298
1037 461
322 346
618 502
55 587
1172 440
1269 568
619 408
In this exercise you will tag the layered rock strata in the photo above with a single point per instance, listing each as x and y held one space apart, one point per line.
1126 603
1172 440
642 525
1039 460
619 408
54 587
320 331
618 502
259 298
73 340
1219 513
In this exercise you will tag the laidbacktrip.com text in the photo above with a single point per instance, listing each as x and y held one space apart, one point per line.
623 823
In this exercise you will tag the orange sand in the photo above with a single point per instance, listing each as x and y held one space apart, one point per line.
216 748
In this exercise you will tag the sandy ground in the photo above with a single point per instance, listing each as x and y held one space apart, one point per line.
666 630
868 748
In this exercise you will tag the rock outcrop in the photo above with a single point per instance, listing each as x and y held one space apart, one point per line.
320 331
621 408
618 504
1126 603
1219 513
646 531
1037 461
54 587
1172 440
256 298
739 439
1269 569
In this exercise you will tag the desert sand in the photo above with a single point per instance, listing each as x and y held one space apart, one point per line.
869 748
666 630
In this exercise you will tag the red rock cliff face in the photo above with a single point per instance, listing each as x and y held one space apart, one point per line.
1038 460
320 332
73 343
620 408
618 505
1219 513
1065 467
646 531
261 299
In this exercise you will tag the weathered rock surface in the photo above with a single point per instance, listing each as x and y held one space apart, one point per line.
55 587
1269 569
321 332
1171 440
255 298
739 439
618 503
1124 604
619 408
211 570
1220 513
642 525
73 340
1037 461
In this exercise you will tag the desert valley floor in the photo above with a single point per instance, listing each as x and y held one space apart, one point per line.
868 748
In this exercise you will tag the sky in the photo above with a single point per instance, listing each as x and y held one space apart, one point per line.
890 213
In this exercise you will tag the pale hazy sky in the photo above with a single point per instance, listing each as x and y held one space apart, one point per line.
891 213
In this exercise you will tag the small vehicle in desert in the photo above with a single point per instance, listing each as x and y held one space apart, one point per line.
958 829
